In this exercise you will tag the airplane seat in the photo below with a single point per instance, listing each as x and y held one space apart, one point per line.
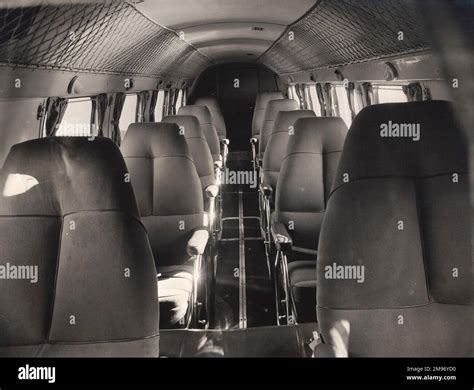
260 105
217 118
170 201
69 219
191 129
257 121
277 142
305 179
271 112
395 251
203 114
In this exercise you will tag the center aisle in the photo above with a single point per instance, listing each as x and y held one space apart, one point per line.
244 296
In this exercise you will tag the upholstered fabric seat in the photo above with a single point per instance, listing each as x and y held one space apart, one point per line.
203 114
217 118
399 210
271 112
67 208
304 183
170 200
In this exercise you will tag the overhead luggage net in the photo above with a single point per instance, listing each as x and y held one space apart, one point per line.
342 32
107 37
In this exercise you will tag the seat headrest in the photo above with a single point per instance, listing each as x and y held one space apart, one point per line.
416 139
264 97
285 119
189 125
200 112
275 106
61 175
208 101
154 140
317 135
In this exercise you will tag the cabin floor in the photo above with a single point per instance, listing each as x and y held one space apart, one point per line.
244 293
245 318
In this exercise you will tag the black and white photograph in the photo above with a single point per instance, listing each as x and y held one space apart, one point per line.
236 191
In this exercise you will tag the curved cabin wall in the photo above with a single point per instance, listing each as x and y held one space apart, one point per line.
18 123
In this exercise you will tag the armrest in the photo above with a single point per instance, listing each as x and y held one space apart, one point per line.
253 140
197 243
212 191
281 237
266 190
225 141
218 164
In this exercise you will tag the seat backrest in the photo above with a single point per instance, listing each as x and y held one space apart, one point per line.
260 105
271 112
69 219
276 146
397 222
167 187
306 176
216 113
191 129
205 119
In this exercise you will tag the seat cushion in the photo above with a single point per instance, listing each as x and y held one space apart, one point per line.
175 284
302 276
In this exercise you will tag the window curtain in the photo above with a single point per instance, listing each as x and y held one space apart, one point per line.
119 100
414 92
99 106
328 99
350 98
174 95
322 103
184 97
299 94
53 113
367 94
142 112
152 105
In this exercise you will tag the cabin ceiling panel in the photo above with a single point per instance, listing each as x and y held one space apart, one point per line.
204 22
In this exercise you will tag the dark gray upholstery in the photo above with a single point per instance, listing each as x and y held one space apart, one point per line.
305 180
170 200
276 146
271 112
197 145
67 208
217 118
416 299
260 105
210 132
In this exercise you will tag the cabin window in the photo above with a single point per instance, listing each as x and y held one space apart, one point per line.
160 100
390 94
341 103
129 114
76 121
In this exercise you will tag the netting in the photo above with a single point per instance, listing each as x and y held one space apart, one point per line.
108 37
342 32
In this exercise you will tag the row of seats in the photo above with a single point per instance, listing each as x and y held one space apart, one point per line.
298 156
387 219
95 245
